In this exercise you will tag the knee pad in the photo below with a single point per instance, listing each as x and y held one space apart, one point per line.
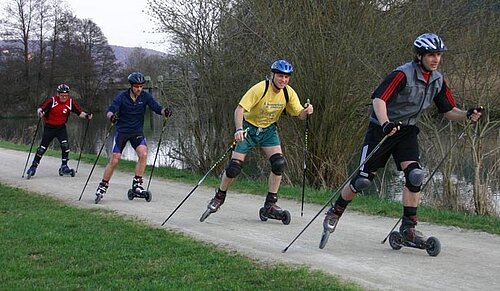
64 146
40 151
414 176
233 168
361 181
278 164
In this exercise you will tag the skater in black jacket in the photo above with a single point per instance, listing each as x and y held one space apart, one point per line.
398 103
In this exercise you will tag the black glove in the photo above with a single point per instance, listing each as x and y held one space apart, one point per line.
471 111
113 118
167 112
388 126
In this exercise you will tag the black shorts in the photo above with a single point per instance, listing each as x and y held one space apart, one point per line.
403 146
136 139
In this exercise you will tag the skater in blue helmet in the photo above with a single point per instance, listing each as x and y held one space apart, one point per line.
255 120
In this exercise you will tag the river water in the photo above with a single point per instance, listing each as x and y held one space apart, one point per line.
89 137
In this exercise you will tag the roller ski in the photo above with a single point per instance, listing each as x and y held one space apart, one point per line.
101 190
214 204
31 171
273 211
138 191
330 223
409 237
64 170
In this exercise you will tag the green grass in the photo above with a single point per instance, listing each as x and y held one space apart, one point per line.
366 204
49 245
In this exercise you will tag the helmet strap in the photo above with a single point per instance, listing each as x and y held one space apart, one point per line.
274 84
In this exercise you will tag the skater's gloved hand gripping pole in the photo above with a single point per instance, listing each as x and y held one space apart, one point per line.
306 133
460 136
113 120
335 194
231 147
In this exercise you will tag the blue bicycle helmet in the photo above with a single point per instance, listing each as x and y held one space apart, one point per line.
136 78
429 43
282 66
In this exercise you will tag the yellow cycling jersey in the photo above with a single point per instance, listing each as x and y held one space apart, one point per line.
264 111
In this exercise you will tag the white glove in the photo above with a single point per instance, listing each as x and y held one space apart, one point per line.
40 112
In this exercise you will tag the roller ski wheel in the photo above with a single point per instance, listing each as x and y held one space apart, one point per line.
262 214
278 214
330 224
286 217
324 238
98 198
395 240
145 194
214 205
99 193
148 196
206 214
66 171
433 246
31 172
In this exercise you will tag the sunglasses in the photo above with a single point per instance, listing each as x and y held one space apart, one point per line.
138 86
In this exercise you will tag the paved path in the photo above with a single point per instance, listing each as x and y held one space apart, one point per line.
469 260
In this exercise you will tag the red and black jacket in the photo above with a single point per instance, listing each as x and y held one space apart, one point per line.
57 112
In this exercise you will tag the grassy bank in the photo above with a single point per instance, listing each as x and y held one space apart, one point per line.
49 245
366 204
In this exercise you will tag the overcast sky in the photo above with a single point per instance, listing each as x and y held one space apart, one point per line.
123 22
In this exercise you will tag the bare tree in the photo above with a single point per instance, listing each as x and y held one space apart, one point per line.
340 50
18 28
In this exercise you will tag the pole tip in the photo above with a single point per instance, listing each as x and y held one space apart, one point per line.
284 250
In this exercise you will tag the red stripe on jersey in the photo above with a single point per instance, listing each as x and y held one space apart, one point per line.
449 95
392 86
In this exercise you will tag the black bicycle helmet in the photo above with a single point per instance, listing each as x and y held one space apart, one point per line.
429 43
136 78
282 66
62 88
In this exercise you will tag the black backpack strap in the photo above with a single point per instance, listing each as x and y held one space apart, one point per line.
265 90
285 91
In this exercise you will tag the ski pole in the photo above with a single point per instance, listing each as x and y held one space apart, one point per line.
98 155
306 133
83 143
31 147
157 150
338 190
432 175
231 147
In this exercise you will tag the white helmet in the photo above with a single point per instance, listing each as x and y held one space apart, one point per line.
429 43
